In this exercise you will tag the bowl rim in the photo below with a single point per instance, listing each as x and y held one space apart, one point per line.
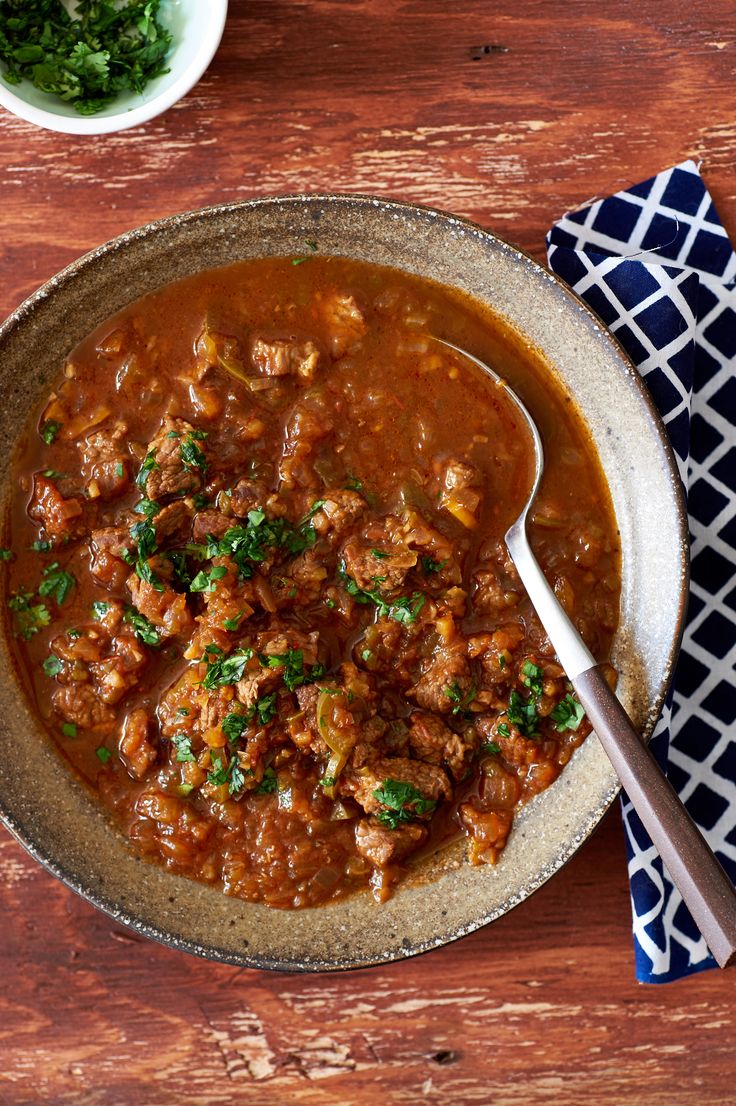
99 898
81 125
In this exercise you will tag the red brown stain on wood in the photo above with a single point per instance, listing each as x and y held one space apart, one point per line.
370 95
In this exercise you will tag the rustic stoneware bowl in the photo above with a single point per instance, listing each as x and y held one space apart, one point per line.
55 817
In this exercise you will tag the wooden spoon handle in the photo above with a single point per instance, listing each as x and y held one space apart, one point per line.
705 888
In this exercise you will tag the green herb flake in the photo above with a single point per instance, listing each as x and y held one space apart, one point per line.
405 609
366 654
7 554
380 554
233 726
353 484
103 754
149 465
182 742
568 714
69 729
29 617
430 566
56 583
119 469
39 546
490 747
461 700
231 624
192 456
328 781
503 729
142 628
99 609
52 666
226 670
402 802
51 427
532 677
268 784
522 713
205 581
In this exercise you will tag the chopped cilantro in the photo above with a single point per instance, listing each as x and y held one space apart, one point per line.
522 713
89 59
237 778
233 726
501 661
568 714
147 507
51 427
56 583
330 603
532 677
74 634
490 747
119 469
150 464
205 581
461 701
295 674
366 654
69 729
100 609
192 456
183 710
103 754
219 772
7 554
29 618
182 742
404 609
268 784
226 670
430 566
142 628
402 802
380 554
185 789
264 710
503 730
328 781
353 484
39 546
52 666
231 624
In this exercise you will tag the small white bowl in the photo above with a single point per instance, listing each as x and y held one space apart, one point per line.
196 26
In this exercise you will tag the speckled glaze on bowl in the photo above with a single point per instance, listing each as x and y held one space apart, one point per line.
58 820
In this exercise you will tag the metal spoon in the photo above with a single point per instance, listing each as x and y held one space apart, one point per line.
705 888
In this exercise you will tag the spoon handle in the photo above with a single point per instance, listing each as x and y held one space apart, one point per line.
705 888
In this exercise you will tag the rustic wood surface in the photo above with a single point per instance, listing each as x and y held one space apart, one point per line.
510 113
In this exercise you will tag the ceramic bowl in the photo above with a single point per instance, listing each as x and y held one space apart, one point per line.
59 821
197 28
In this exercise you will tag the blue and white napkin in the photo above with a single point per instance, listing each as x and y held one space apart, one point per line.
657 266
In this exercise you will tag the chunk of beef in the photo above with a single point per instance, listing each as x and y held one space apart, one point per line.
497 586
173 522
435 743
78 704
105 462
226 609
136 748
437 553
515 748
447 681
496 652
377 559
303 728
169 474
429 780
108 547
301 582
208 523
247 495
166 609
60 517
120 670
381 845
341 507
188 707
282 357
344 320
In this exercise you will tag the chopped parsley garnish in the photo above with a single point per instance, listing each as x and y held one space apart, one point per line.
88 60
404 609
231 624
352 484
39 546
182 742
568 714
366 654
150 464
532 677
182 710
460 700
52 666
429 565
522 713
490 747
380 554
264 710
103 754
29 618
226 670
250 544
147 507
200 501
503 729
143 534
402 801
191 455
142 628
100 609
219 772
51 427
294 675
328 781
56 583
233 726
74 634
7 554
268 784
69 729
205 581
237 778
119 469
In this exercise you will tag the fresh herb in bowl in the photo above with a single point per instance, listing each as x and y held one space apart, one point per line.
107 49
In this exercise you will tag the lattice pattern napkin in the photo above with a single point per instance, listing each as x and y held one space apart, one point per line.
657 266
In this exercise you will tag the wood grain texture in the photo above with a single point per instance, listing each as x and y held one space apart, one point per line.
399 99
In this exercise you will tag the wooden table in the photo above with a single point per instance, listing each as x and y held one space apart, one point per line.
510 113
